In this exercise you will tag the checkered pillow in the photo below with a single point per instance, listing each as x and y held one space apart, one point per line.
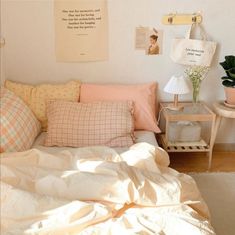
101 123
18 125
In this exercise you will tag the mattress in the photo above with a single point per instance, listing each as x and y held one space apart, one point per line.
141 136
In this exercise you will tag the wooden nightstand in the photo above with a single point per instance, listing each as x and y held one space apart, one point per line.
193 113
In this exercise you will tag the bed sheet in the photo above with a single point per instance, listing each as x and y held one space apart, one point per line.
141 136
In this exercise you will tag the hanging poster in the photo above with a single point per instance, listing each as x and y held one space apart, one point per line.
149 40
81 30
140 37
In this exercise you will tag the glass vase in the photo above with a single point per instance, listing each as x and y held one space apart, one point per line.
196 91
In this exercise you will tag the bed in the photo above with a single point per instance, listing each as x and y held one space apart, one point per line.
89 188
129 191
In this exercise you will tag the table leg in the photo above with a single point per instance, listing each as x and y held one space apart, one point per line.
210 159
215 130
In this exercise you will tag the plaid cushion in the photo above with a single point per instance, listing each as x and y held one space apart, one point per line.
101 123
18 125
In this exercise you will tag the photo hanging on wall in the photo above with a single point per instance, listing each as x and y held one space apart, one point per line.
81 30
149 40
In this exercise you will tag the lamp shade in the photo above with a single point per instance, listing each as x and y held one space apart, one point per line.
177 85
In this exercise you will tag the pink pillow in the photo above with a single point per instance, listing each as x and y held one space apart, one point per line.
18 125
143 96
101 123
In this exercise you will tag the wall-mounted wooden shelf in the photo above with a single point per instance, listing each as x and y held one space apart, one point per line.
181 19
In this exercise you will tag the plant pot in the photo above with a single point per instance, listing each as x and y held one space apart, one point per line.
230 95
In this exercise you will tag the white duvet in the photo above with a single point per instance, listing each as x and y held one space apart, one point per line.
96 191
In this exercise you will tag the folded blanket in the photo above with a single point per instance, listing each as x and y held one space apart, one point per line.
97 191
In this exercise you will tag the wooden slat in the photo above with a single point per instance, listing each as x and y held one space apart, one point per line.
169 143
190 117
171 150
190 148
203 117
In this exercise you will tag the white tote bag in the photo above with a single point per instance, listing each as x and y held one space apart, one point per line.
188 51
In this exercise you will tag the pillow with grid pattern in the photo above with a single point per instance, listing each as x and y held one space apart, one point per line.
100 123
18 125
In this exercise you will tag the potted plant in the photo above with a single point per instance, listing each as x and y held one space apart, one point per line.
229 80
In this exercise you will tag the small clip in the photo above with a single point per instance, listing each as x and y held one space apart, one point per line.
155 31
2 42
194 19
170 18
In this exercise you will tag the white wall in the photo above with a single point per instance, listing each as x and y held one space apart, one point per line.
29 52
1 48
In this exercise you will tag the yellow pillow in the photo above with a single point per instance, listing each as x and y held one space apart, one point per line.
36 97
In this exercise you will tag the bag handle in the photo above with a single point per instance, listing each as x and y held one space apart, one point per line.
202 32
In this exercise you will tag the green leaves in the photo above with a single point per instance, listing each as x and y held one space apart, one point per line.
231 72
228 83
224 65
225 78
229 67
229 62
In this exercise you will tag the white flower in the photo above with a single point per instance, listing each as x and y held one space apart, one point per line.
195 73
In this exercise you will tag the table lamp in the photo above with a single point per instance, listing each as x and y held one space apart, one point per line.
176 86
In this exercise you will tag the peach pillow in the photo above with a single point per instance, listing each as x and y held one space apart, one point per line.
37 96
18 126
76 124
143 96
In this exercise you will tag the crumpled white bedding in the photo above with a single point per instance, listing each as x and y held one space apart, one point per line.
97 191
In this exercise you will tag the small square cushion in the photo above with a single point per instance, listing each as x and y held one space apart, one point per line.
142 95
18 125
101 123
37 96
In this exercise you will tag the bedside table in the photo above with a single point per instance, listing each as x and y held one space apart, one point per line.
192 113
222 111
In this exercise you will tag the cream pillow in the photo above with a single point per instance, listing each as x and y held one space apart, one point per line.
76 124
37 96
